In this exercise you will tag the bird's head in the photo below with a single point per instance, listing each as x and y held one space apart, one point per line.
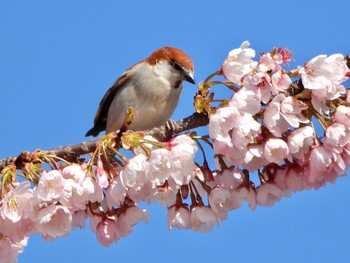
173 62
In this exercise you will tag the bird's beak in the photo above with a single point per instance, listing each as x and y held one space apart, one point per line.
189 76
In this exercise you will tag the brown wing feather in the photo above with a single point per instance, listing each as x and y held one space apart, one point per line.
100 120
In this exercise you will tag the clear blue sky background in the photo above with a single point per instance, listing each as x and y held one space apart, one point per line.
57 59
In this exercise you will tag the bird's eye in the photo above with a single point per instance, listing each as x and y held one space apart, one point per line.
177 66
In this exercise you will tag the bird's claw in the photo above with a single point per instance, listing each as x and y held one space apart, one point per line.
171 125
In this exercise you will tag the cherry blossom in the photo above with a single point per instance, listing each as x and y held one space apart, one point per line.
7 253
165 194
294 180
246 132
134 214
268 194
179 217
76 172
245 101
336 136
107 232
16 204
285 55
238 196
276 150
289 180
222 122
239 63
73 195
280 81
203 219
200 179
260 84
183 150
283 112
159 166
319 170
254 157
342 115
92 191
323 71
324 75
299 142
16 231
78 219
115 193
220 202
242 127
53 221
129 218
133 173
229 179
270 62
101 175
51 185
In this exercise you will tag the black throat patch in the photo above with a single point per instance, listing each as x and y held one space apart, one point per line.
177 84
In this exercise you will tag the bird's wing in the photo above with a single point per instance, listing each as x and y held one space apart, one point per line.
100 120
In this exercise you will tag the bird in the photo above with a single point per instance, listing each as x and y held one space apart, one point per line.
152 87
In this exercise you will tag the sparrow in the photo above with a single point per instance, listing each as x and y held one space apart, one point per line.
152 87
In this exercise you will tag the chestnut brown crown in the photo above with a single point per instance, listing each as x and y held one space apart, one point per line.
171 54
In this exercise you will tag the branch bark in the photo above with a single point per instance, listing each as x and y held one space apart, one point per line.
73 151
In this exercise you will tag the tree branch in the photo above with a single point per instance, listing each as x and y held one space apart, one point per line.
73 151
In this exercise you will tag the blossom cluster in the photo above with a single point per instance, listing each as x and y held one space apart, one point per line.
262 131
266 130
63 198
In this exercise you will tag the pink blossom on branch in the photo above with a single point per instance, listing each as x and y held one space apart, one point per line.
342 115
53 221
254 157
268 194
260 84
323 76
203 219
132 216
284 112
220 202
310 163
280 81
50 186
7 253
322 72
276 150
239 63
17 205
299 142
179 217
107 232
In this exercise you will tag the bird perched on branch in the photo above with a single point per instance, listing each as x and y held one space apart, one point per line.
151 87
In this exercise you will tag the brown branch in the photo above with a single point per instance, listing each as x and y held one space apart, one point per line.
295 88
73 151
347 60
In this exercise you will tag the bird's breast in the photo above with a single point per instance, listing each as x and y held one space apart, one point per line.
155 105
153 99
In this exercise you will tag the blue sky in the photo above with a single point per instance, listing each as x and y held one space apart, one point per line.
58 59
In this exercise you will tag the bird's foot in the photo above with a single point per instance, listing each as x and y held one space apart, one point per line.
171 125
